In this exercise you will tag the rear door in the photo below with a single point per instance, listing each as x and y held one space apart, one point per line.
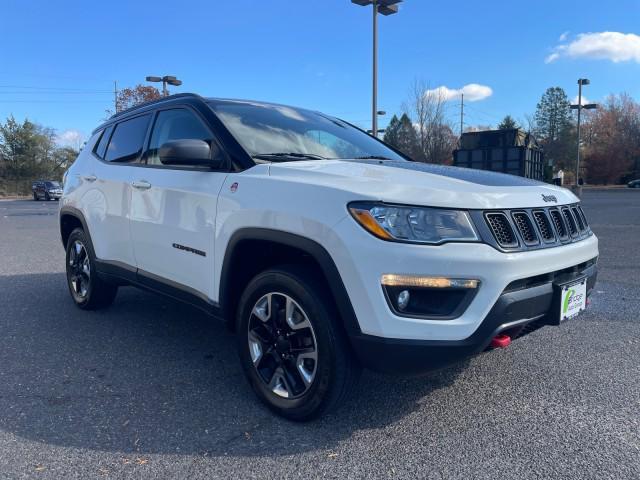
106 189
173 210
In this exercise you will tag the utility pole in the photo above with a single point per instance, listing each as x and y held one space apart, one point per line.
461 113
115 95
579 107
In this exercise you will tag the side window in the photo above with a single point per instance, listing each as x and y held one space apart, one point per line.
127 139
175 124
101 148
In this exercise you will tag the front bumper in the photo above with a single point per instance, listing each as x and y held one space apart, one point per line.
520 307
363 259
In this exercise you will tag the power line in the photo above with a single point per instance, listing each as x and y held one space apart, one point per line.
52 93
55 89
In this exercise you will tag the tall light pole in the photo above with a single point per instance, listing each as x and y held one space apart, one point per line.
579 107
386 8
167 79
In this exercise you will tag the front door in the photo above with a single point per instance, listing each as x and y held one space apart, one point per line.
173 211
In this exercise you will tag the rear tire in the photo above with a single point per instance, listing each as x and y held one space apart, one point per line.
46 196
87 289
35 197
292 346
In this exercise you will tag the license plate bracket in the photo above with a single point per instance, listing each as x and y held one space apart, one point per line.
570 299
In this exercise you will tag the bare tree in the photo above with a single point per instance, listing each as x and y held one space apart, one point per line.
427 110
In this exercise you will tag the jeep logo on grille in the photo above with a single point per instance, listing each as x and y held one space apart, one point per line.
549 198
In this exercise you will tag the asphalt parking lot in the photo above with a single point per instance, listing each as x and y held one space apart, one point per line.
151 388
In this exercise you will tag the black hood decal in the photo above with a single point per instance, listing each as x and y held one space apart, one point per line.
481 177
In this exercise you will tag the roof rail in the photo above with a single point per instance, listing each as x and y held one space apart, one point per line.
153 102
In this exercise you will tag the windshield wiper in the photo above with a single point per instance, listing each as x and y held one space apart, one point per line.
281 155
372 157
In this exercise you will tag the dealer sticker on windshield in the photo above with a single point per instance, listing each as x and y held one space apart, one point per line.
574 299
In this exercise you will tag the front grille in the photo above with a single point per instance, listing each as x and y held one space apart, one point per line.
525 227
558 224
501 229
546 230
532 228
573 229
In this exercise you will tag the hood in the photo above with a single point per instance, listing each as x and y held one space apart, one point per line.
415 183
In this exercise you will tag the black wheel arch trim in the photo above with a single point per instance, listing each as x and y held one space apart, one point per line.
304 244
78 215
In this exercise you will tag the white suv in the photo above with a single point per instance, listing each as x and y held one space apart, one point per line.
323 248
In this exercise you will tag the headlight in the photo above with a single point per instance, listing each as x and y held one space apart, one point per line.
414 224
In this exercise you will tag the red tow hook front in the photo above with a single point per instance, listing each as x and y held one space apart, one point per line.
501 341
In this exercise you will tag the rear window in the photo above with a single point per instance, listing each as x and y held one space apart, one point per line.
127 139
101 148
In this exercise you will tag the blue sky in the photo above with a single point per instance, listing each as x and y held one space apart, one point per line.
311 53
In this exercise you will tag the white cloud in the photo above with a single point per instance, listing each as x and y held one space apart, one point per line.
585 100
473 92
613 46
564 36
70 138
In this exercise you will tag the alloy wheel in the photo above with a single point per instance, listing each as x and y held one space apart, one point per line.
283 346
79 270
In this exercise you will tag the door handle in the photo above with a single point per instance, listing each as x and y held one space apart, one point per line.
141 185
89 178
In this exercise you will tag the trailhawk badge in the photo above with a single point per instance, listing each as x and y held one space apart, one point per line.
549 198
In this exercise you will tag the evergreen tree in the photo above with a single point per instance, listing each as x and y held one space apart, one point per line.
391 132
553 114
508 123
554 128
408 137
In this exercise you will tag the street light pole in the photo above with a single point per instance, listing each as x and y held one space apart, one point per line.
385 7
374 100
579 107
167 79
579 112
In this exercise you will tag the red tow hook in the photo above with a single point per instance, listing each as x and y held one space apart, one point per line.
501 341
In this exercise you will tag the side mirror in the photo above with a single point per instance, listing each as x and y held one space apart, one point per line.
190 152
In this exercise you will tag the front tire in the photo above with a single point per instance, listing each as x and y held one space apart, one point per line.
46 196
35 197
292 346
87 289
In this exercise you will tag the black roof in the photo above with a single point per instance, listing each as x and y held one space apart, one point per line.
170 98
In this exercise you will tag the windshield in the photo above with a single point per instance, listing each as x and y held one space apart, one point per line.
278 133
53 184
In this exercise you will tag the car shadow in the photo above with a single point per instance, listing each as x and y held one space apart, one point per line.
150 375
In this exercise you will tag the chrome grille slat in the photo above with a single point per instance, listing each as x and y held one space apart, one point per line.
578 217
558 223
571 222
501 229
525 227
544 225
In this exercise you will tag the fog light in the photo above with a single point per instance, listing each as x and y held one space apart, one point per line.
403 299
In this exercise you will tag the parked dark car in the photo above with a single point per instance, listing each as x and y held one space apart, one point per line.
634 183
46 190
